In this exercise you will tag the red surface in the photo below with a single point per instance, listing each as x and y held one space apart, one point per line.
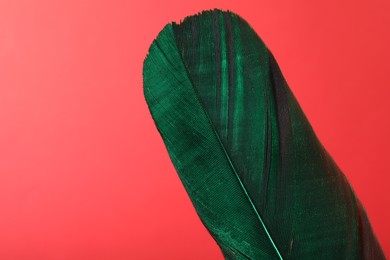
83 171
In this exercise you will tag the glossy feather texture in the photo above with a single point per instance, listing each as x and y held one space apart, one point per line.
257 175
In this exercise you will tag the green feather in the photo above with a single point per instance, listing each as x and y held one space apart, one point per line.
257 175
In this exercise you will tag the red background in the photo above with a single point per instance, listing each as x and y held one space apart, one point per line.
83 171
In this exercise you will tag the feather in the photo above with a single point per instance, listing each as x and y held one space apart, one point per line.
257 175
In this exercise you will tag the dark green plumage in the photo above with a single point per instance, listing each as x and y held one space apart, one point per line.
258 177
